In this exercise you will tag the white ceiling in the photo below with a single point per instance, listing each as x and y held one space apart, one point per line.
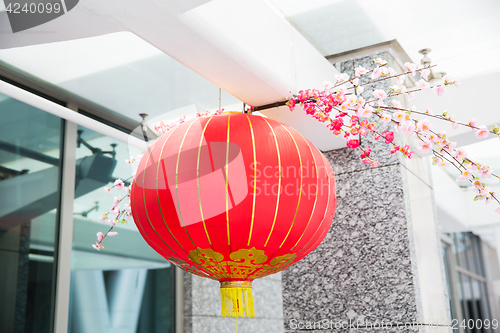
462 34
120 72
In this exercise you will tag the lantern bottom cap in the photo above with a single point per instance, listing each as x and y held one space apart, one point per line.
236 284
236 299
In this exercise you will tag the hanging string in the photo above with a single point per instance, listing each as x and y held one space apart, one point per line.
220 100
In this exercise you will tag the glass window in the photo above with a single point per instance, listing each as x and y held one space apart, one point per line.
30 173
448 280
126 287
468 284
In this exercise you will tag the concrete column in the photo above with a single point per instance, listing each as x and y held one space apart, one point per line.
202 310
381 260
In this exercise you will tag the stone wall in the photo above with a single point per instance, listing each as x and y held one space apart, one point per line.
202 309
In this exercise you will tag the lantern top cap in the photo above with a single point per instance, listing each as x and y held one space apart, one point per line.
229 112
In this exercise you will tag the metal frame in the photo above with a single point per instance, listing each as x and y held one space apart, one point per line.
179 300
65 113
65 241
49 91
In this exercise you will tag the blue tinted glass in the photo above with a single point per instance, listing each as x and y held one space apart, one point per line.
30 154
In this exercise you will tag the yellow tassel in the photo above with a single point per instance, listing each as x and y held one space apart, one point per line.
236 299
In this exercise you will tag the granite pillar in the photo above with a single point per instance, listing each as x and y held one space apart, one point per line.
380 261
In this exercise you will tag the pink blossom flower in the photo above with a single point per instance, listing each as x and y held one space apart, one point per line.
380 61
182 120
460 153
116 201
472 166
111 233
380 94
455 125
352 101
111 222
482 133
432 137
473 122
395 149
406 127
422 84
342 77
100 236
364 113
396 104
411 67
398 116
385 118
127 162
358 71
425 73
498 209
336 124
376 73
355 81
440 89
291 104
119 184
411 95
103 217
107 189
115 210
485 171
448 146
423 125
366 152
401 79
464 176
436 160
353 143
98 246
449 81
425 146
428 111
388 136
327 85
407 152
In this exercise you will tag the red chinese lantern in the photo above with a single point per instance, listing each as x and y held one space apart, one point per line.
233 197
